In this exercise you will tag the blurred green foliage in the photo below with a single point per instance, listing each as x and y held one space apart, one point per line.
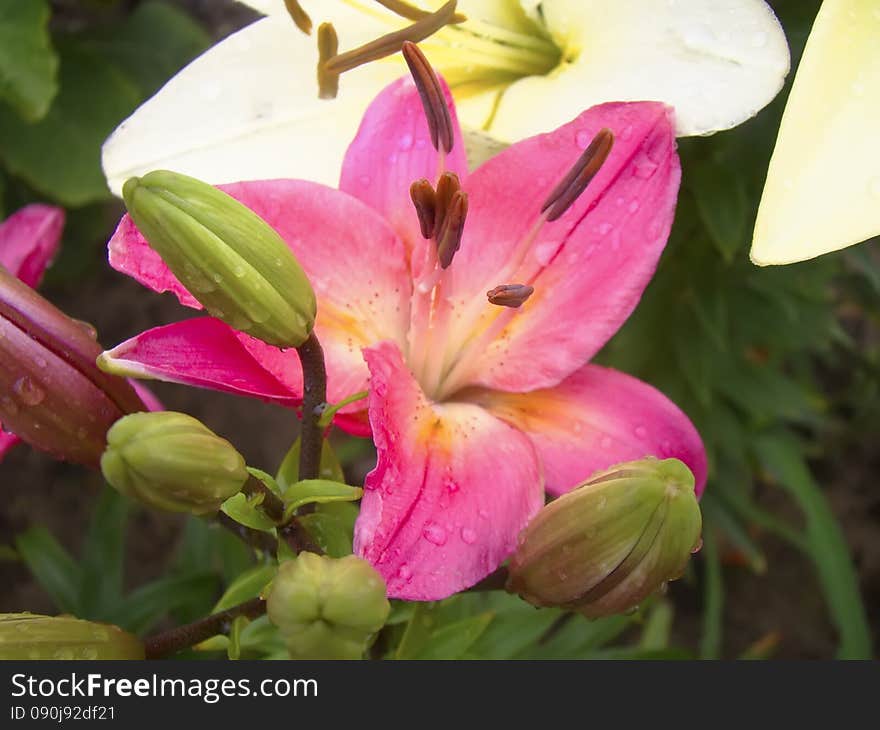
741 349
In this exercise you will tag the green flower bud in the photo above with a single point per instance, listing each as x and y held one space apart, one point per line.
27 636
172 462
610 543
228 258
327 608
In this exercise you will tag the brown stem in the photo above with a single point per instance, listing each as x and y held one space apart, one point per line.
183 637
272 504
311 358
256 539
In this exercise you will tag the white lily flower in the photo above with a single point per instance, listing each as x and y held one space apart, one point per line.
248 107
823 187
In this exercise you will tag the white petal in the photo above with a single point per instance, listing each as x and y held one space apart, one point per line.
248 109
718 63
823 186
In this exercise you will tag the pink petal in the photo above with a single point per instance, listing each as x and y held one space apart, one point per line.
203 352
29 240
588 268
356 265
7 441
147 396
596 418
451 491
392 150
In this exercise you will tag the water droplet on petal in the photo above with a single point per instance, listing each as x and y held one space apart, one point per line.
406 141
468 536
583 139
633 206
40 362
434 533
603 228
405 572
641 432
606 442
28 392
484 514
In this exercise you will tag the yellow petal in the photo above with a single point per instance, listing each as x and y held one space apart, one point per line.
823 186
248 109
718 63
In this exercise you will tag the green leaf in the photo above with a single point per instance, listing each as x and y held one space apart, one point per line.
246 512
267 479
453 641
780 454
150 603
575 637
103 556
516 627
247 586
103 77
28 63
320 491
658 625
288 472
60 156
52 566
9 555
233 650
332 527
154 42
713 598
723 205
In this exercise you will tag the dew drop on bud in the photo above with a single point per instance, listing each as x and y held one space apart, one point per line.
28 392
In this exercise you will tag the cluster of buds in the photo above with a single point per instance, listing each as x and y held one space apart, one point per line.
327 608
232 261
609 544
172 462
29 636
52 395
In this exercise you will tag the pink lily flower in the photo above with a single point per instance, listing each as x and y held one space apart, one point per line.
475 408
62 353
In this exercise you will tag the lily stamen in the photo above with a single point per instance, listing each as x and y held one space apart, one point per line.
328 45
424 200
431 94
299 16
575 182
450 232
392 42
411 12
510 295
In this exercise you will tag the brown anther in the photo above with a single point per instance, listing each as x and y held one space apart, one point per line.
451 229
510 295
300 17
432 96
447 186
423 198
328 45
575 182
392 42
411 12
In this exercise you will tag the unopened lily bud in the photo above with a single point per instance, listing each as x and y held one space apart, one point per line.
173 462
28 636
229 258
327 608
610 543
52 395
